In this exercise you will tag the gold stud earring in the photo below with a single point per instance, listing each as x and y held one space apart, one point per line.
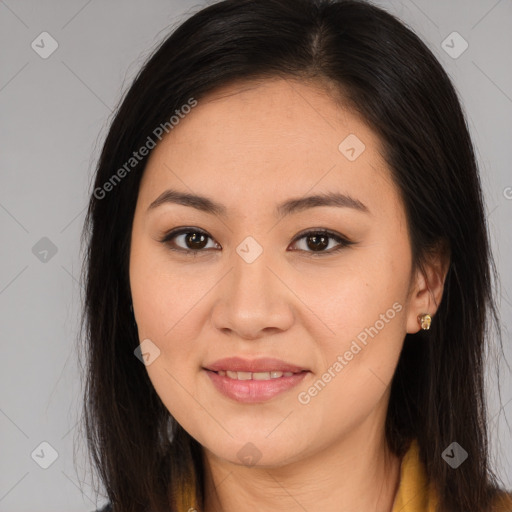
425 321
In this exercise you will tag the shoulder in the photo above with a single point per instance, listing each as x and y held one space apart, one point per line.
503 502
414 493
106 508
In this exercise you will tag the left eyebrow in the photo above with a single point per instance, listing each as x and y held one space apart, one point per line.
326 199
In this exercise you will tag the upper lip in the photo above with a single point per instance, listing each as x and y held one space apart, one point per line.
264 364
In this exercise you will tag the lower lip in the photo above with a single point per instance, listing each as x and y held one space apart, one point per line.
254 391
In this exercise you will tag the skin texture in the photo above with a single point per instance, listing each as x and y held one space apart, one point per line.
251 146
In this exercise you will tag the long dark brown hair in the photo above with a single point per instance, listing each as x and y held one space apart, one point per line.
388 76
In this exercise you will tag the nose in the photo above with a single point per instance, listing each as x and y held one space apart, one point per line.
253 300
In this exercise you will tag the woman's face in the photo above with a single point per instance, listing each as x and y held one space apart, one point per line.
260 286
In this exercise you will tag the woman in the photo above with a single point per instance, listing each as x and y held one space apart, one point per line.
288 273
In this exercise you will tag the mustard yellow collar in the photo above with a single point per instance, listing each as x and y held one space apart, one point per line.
414 493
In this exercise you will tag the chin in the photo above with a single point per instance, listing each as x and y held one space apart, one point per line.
257 450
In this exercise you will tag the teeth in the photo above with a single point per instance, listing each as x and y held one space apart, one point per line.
255 375
261 376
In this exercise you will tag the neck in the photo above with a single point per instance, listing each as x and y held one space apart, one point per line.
358 472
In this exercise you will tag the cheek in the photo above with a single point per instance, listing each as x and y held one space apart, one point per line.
364 307
355 295
359 361
164 294
166 307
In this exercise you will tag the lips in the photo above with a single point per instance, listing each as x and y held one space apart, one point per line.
254 376
256 366
254 381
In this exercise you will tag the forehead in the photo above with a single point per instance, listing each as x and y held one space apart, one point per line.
278 116
272 140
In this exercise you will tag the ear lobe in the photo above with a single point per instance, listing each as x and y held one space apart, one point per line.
428 287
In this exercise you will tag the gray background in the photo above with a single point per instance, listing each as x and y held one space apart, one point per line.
54 116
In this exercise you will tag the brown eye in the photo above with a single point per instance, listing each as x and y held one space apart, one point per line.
316 242
195 240
191 240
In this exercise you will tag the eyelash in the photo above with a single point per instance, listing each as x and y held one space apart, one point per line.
343 242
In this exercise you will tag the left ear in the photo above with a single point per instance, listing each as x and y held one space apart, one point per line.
428 285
